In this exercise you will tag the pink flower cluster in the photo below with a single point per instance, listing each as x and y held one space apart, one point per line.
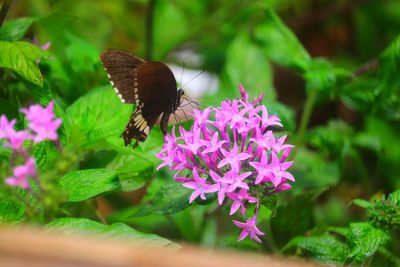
231 150
42 126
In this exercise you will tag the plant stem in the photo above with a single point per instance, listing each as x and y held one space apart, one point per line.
390 256
305 117
270 242
149 30
4 11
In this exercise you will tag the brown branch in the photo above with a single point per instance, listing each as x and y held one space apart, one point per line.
319 14
4 10
367 67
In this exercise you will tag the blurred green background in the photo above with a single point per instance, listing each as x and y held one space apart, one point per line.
329 69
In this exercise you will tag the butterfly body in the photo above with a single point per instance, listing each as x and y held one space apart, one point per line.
151 86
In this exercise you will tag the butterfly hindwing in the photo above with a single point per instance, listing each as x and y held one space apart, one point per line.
140 123
121 68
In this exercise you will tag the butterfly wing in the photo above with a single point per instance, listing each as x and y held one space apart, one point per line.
156 95
121 68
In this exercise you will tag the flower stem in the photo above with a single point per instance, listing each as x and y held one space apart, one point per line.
149 30
305 117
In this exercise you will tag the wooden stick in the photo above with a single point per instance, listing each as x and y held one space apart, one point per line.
37 247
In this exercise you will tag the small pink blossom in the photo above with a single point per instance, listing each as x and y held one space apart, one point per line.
22 174
42 122
200 187
6 127
249 229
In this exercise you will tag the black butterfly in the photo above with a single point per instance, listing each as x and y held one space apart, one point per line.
150 85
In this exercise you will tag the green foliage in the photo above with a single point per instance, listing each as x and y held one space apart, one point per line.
22 57
324 248
242 56
328 70
92 118
364 240
83 184
15 29
280 44
11 211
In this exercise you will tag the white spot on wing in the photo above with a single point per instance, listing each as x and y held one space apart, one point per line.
147 130
144 124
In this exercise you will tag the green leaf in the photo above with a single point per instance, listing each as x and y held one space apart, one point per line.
395 197
295 217
270 202
15 29
285 113
22 57
96 116
364 240
313 171
323 76
324 248
361 94
331 138
133 170
242 56
362 203
171 199
167 17
11 211
280 44
84 184
390 58
118 231
82 56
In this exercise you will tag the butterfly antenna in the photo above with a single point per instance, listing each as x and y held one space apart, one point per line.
202 71
183 70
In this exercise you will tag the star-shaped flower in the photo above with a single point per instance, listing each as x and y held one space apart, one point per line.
22 174
233 158
224 184
238 199
200 187
273 172
214 144
249 229
42 122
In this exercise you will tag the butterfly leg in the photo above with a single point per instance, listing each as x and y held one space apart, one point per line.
164 122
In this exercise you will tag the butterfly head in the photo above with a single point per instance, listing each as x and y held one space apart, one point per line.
178 100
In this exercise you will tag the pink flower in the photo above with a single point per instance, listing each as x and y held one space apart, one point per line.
238 201
42 122
275 172
22 174
235 151
6 127
233 158
14 139
249 229
200 187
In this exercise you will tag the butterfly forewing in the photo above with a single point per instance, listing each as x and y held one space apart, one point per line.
121 68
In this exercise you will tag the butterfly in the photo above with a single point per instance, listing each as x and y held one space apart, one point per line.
150 85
